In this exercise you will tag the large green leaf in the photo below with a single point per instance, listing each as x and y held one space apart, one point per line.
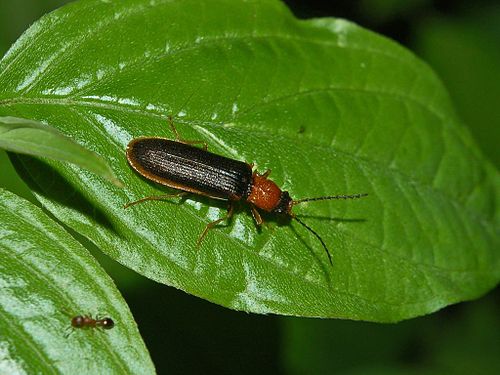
329 107
46 278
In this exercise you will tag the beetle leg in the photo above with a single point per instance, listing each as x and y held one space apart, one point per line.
266 173
209 226
185 141
173 128
256 215
155 198
205 145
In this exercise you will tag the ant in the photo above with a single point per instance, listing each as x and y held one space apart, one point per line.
87 321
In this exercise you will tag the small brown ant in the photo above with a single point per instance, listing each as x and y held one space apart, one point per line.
87 322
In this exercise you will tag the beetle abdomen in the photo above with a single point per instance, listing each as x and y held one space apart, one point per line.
190 168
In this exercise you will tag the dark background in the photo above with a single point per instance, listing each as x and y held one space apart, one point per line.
186 335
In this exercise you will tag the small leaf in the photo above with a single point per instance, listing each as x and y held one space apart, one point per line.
34 138
46 278
329 107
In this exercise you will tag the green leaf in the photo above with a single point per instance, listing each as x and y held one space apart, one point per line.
46 278
34 138
330 107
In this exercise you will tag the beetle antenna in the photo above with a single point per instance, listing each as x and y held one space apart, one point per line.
354 196
317 236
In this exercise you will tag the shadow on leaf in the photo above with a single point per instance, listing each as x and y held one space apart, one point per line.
59 190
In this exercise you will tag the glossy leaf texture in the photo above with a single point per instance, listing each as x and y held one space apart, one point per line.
329 107
46 278
33 138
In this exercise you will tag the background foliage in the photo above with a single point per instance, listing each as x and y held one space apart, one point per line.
218 331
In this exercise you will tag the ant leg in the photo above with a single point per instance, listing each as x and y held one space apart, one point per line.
156 198
256 216
69 332
178 137
67 313
103 314
209 226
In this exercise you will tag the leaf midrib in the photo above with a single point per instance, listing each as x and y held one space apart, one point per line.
125 109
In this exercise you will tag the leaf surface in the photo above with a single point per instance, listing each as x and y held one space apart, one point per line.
33 138
329 107
46 278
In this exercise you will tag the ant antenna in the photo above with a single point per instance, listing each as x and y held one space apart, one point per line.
317 236
354 196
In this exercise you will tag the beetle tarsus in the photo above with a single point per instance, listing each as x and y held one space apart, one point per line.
209 226
256 215
185 141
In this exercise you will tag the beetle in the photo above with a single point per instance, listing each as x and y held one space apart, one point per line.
180 165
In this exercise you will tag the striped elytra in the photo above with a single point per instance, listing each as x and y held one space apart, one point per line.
189 168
